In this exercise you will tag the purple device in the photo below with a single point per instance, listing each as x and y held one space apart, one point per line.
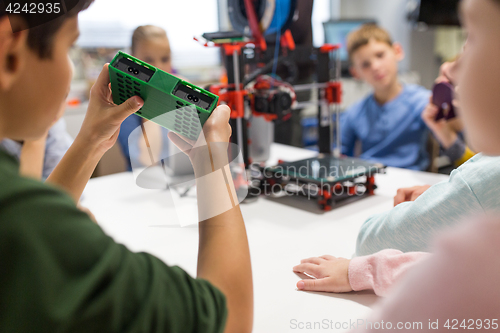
442 97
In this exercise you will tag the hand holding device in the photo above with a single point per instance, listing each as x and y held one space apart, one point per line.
102 121
442 129
210 147
98 134
442 97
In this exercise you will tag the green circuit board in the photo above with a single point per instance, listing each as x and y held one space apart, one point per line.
168 101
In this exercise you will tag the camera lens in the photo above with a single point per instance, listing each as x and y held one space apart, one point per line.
130 69
190 97
136 72
195 99
261 104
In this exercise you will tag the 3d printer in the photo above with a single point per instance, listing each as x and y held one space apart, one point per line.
261 41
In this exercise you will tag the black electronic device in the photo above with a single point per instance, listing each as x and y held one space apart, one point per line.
329 179
436 12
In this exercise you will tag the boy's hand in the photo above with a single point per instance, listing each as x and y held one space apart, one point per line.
209 152
409 194
331 274
103 119
224 256
444 133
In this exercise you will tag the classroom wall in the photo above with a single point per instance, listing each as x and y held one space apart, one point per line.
391 14
110 24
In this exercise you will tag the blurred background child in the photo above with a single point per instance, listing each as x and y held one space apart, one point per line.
387 123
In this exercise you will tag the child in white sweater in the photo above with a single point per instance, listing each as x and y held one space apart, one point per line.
458 283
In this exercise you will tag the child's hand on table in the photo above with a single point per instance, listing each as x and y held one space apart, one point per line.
409 194
330 273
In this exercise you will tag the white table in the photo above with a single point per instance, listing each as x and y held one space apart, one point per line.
280 235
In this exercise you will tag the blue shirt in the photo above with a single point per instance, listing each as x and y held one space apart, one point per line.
393 134
57 143
472 189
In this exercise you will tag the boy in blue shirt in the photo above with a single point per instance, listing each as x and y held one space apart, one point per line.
388 122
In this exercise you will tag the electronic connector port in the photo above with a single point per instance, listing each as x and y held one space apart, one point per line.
135 69
193 96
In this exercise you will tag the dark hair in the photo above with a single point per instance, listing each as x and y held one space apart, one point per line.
41 36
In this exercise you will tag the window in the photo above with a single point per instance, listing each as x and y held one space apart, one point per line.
110 23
